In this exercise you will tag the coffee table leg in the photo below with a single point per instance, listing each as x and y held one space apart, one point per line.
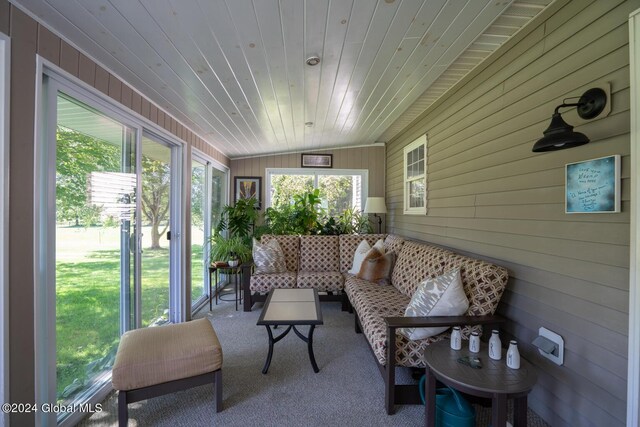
309 341
499 410
520 412
430 399
268 362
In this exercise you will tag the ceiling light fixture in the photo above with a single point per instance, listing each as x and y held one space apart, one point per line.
560 135
308 124
313 60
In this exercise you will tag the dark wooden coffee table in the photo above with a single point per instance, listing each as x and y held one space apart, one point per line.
494 380
291 307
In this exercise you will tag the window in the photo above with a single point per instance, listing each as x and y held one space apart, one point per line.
415 177
340 188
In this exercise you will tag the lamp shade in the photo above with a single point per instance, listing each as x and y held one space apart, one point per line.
558 136
375 205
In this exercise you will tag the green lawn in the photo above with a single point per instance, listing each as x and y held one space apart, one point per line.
88 299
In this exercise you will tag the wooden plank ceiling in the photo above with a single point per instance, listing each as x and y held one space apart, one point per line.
234 71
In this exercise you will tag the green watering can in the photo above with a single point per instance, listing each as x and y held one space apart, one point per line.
452 410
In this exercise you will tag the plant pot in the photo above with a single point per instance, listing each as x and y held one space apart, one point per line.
233 263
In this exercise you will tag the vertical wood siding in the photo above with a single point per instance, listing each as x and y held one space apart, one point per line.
490 196
371 158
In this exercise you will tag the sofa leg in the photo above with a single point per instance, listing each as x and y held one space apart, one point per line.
345 302
390 377
217 377
357 324
123 412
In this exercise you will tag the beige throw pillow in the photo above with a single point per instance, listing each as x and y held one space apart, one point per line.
376 267
440 296
268 257
361 252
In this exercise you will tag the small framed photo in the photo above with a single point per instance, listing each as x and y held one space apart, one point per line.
247 187
593 186
317 160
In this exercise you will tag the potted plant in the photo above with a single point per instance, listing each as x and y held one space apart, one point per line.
225 250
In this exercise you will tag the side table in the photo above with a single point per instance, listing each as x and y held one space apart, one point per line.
494 380
215 291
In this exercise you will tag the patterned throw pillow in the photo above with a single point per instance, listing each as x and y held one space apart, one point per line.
440 296
268 257
361 252
376 267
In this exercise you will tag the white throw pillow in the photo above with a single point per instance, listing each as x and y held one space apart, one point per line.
440 296
268 257
361 252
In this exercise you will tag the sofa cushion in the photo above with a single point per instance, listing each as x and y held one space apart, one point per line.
290 246
482 281
319 253
416 262
323 281
440 296
348 245
376 267
361 252
265 282
268 257
393 243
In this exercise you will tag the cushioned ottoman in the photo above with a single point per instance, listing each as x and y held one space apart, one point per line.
154 361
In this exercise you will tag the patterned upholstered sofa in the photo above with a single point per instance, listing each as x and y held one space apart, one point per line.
319 262
323 262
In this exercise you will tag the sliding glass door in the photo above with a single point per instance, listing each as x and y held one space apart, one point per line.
95 189
109 240
208 197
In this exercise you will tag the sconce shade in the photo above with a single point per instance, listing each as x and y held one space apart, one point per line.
558 136
375 205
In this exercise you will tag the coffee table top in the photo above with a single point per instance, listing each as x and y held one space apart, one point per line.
493 377
291 307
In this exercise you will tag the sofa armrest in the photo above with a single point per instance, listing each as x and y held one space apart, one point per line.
428 322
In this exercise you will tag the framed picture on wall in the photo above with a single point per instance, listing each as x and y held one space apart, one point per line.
317 160
593 186
247 187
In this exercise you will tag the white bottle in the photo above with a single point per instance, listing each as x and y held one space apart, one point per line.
495 346
456 338
513 355
474 342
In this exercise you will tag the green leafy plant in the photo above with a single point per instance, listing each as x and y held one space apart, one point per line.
240 220
352 221
229 248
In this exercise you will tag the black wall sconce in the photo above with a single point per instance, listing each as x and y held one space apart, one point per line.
560 135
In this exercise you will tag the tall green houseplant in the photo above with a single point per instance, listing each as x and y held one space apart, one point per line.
239 223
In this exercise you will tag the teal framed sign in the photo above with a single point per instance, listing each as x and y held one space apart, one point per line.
593 186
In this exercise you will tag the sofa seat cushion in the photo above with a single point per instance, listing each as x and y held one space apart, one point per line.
263 283
372 307
151 356
323 281
354 285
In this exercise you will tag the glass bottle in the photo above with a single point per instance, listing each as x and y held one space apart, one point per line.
513 355
474 342
456 338
495 346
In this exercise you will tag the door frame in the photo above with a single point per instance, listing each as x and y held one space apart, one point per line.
208 162
633 372
5 79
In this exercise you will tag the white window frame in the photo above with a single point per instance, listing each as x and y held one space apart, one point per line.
5 72
364 173
421 141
